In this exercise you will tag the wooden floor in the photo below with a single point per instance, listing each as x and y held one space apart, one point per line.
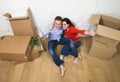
43 69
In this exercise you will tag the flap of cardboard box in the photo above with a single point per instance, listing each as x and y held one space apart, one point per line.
110 19
108 32
95 19
18 18
7 15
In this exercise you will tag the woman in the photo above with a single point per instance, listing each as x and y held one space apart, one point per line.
72 33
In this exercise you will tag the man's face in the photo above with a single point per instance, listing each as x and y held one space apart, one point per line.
58 23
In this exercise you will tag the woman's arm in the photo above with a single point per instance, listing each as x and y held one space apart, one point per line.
75 30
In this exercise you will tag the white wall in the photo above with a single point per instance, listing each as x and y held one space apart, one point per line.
9 6
44 11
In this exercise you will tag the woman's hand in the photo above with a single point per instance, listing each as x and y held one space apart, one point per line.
91 33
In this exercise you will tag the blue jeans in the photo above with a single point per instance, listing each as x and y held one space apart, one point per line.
74 45
51 48
73 48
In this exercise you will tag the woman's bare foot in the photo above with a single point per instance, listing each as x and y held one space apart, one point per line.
80 57
76 59
61 57
62 70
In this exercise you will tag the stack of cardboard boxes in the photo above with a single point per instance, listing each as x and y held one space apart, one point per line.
105 42
17 48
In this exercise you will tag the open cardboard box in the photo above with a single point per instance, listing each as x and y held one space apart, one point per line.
17 47
106 26
107 33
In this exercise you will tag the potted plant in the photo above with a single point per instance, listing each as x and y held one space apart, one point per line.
34 42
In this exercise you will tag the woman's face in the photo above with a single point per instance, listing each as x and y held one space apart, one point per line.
65 25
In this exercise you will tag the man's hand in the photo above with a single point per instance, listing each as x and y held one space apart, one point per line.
51 26
40 33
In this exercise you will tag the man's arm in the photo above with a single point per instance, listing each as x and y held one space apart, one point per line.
45 33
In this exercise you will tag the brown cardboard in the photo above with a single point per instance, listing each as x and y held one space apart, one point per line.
95 19
108 32
23 25
110 22
118 48
107 37
44 42
108 41
7 15
105 21
15 48
36 52
87 42
101 50
106 26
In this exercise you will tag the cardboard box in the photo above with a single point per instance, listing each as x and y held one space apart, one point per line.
87 43
22 25
44 42
106 26
101 50
36 52
118 48
109 42
15 48
107 36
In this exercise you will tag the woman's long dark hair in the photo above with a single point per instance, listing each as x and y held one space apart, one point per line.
67 20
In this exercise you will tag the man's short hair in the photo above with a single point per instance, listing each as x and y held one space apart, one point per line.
58 18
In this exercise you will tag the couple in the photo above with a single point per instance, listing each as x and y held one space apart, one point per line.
70 41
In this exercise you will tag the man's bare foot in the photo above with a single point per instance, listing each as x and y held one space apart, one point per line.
62 71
